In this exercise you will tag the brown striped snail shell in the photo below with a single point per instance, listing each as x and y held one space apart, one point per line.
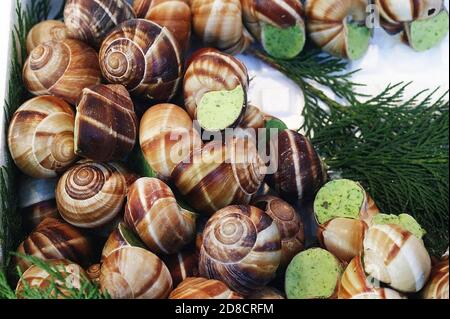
437 286
91 194
218 175
54 239
253 118
93 273
201 288
354 280
144 57
135 273
182 265
45 31
175 15
167 136
40 137
266 293
61 68
153 213
218 23
289 224
241 247
396 257
105 123
91 20
121 236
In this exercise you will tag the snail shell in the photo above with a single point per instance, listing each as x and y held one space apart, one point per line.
175 15
289 224
121 236
380 293
182 266
396 257
253 118
437 286
91 194
105 123
61 68
91 20
45 31
144 57
218 23
354 280
153 213
167 137
93 273
40 137
266 293
201 288
218 175
135 273
241 247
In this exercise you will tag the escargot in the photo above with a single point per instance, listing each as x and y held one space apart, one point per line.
105 123
182 265
40 137
61 68
253 118
175 15
121 236
201 288
91 20
45 31
144 57
93 273
218 23
278 25
437 286
241 247
339 27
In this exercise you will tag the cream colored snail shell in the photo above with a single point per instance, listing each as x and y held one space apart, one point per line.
218 175
105 124
182 265
44 31
201 288
153 213
135 273
121 236
437 286
396 257
241 247
91 20
167 136
175 15
61 68
40 137
144 57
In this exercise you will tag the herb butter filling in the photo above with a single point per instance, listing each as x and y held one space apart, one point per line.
358 38
283 43
426 34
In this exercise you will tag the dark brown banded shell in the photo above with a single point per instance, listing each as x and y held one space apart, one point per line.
201 288
182 265
438 285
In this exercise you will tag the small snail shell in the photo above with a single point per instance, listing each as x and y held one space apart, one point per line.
120 237
61 68
218 23
175 15
144 57
289 224
91 20
182 265
300 171
167 137
91 194
396 257
201 288
380 293
153 213
343 237
241 247
218 175
40 137
93 273
45 31
135 273
266 293
54 239
105 123
437 286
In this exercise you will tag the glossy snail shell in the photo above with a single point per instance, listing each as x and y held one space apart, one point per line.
105 123
380 293
253 118
135 273
45 31
54 239
201 288
241 247
61 68
40 137
396 257
289 224
91 194
266 293
182 265
218 175
437 286
175 15
144 57
167 137
93 273
218 23
121 236
354 280
153 213
91 20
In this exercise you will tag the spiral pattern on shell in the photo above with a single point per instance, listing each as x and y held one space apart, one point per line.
201 288
241 247
61 68
438 285
45 31
40 137
144 57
